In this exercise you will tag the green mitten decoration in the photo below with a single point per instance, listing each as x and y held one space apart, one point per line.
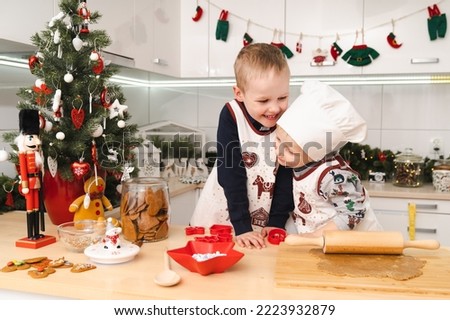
222 26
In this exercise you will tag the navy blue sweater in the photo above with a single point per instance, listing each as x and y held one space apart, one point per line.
232 176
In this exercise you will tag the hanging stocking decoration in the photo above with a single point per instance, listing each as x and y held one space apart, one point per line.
360 55
198 13
391 38
77 113
222 26
276 41
9 201
298 45
335 50
247 39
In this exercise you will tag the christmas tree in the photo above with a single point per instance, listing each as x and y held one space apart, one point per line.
83 116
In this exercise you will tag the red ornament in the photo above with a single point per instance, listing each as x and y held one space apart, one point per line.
105 98
77 117
80 169
99 66
382 157
32 62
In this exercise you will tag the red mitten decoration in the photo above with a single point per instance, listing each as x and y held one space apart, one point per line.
99 66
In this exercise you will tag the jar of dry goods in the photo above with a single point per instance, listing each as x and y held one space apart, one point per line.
408 169
441 176
144 209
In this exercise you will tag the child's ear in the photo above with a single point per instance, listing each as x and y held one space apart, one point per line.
238 94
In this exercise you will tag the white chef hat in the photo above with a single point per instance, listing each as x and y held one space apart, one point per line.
321 120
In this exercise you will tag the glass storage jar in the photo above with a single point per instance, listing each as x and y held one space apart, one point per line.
145 209
441 175
408 169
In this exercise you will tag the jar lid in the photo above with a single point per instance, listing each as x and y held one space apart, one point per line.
408 156
442 165
152 181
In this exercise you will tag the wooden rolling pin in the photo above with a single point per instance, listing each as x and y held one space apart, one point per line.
361 242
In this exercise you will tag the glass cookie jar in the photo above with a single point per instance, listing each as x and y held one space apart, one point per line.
408 169
145 209
441 176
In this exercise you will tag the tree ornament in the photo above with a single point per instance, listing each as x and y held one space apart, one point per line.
276 41
77 43
42 92
57 37
80 168
4 155
33 61
85 14
60 135
98 131
99 65
44 124
68 77
77 114
94 155
121 124
335 50
39 83
52 165
105 98
56 100
116 109
94 56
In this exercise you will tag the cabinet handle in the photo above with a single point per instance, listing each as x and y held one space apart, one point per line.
424 206
424 60
424 230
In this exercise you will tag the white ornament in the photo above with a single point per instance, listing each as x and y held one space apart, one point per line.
121 124
60 135
98 131
116 109
52 165
39 82
94 56
68 77
48 126
4 155
57 37
77 43
56 100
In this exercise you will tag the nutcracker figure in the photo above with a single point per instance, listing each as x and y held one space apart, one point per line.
31 164
85 14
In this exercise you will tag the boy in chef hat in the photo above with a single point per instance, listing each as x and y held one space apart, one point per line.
328 193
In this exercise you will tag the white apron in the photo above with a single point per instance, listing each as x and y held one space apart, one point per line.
260 164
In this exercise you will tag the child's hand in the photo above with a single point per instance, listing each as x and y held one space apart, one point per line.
251 240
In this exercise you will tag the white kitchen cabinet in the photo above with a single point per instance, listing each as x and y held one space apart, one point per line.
411 32
182 207
432 217
117 19
319 22
36 14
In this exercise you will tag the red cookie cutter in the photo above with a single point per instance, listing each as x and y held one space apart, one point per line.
207 239
194 230
220 229
276 236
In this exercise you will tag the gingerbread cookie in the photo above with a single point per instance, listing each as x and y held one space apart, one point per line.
34 260
40 273
15 265
81 267
60 263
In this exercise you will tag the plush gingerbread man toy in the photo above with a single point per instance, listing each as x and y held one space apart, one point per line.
92 205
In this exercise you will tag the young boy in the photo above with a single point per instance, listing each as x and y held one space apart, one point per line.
328 194
247 188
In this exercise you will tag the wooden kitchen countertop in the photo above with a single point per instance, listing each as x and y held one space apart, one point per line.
253 277
389 190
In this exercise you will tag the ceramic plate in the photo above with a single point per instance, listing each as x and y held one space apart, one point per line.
99 254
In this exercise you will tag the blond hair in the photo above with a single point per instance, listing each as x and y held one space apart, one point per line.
257 59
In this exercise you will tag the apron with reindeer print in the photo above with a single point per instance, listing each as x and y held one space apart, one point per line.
259 157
